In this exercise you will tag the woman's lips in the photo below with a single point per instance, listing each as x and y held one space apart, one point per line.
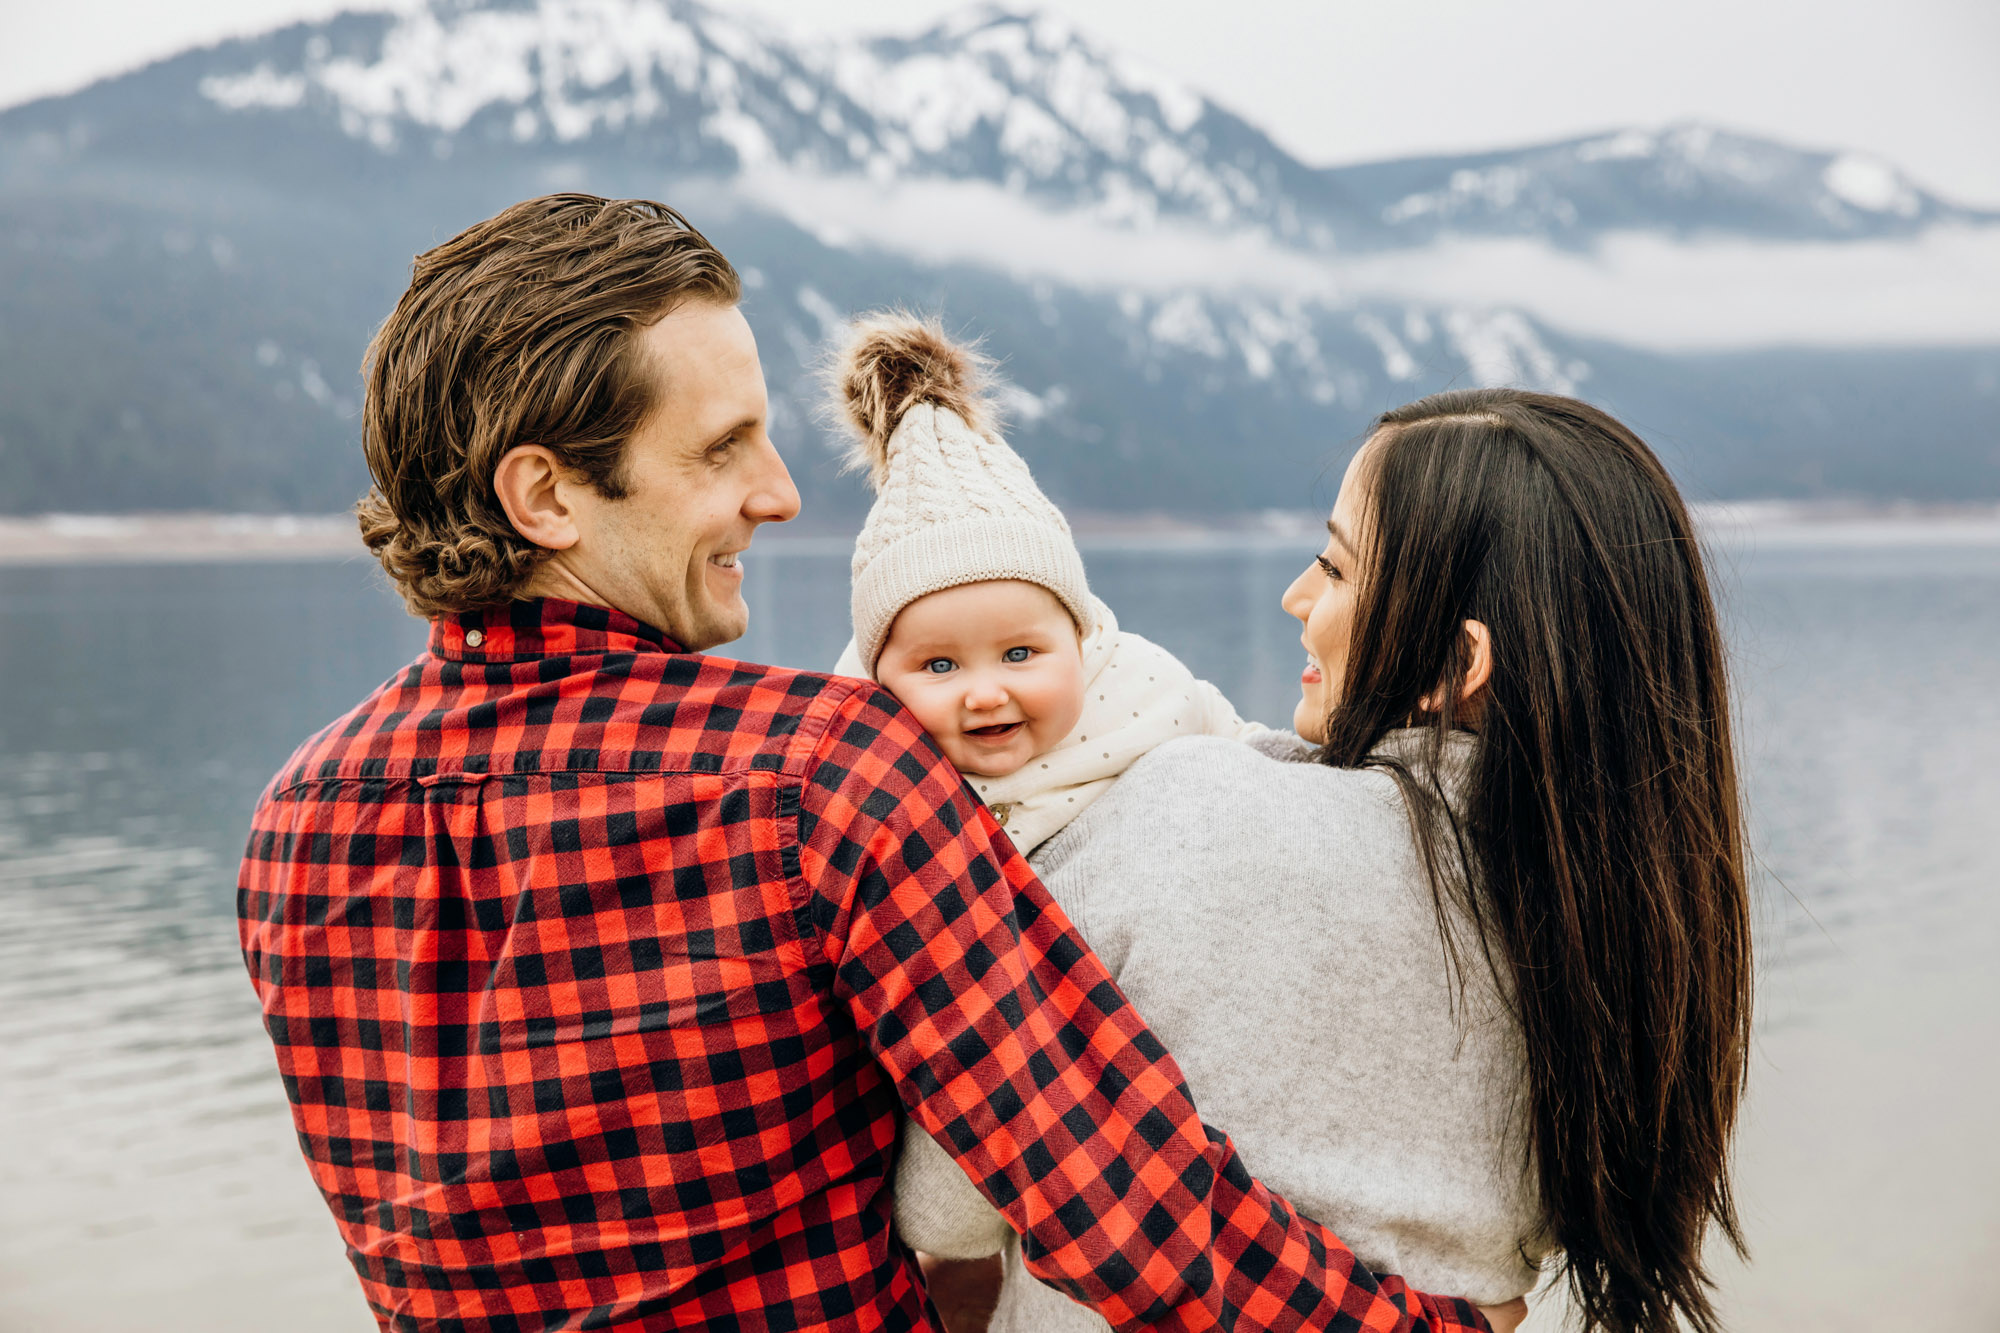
998 732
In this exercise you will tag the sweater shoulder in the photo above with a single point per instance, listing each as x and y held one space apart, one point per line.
1211 798
1230 775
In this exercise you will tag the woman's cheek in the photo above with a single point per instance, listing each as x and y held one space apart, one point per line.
1330 641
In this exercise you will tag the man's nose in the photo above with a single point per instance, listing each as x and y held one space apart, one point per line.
774 499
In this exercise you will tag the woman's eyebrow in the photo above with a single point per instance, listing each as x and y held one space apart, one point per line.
1333 531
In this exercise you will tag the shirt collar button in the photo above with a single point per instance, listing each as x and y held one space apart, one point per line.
474 637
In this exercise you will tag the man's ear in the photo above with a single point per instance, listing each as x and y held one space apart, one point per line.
530 486
1478 665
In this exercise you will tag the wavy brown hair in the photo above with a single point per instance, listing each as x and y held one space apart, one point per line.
519 330
1598 849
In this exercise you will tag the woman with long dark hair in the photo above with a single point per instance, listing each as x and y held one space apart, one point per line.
1519 788
1519 566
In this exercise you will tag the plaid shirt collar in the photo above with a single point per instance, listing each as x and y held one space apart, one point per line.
542 627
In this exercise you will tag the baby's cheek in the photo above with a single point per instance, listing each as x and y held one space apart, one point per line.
935 719
1061 717
923 704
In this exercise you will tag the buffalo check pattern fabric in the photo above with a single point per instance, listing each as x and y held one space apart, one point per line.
602 974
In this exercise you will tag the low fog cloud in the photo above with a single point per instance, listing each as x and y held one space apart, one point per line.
1640 289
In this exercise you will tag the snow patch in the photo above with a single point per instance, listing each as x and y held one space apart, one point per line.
1182 321
1397 363
1502 349
823 311
1497 188
1870 185
1261 331
1703 151
1021 405
1035 138
935 99
314 384
1619 147
583 64
1180 106
262 87
743 133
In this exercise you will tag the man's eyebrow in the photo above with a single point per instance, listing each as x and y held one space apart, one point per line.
738 428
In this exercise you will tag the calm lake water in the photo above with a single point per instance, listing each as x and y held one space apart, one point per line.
151 1179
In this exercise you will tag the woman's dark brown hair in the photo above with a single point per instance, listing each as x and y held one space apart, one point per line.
519 330
1598 849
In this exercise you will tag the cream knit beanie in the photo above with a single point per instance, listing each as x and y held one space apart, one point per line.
953 504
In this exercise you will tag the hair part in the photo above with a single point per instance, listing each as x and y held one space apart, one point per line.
522 329
1599 850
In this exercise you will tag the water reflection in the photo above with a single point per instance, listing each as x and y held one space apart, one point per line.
155 1168
154 1164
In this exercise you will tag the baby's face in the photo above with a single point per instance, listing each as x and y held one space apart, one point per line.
993 670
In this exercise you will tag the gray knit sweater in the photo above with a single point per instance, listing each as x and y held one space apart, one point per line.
1272 923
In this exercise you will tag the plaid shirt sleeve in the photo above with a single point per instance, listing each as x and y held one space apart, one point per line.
1011 1045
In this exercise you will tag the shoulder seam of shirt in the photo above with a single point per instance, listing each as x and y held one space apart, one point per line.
803 756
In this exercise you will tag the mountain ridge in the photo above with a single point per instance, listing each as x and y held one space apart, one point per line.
1019 99
197 252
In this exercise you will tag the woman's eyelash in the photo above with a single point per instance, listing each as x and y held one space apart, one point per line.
1326 567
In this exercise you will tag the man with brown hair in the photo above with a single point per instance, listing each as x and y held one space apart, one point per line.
602 971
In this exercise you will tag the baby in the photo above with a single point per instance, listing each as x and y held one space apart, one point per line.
970 603
970 606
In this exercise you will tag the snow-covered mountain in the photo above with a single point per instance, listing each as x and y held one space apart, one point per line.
198 250
1022 101
1686 179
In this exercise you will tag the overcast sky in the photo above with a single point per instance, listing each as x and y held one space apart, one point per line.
1350 80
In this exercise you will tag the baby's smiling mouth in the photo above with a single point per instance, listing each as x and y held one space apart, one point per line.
998 731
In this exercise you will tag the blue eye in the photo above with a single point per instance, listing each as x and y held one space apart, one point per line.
1016 655
937 666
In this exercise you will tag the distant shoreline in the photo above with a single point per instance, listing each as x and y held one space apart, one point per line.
195 538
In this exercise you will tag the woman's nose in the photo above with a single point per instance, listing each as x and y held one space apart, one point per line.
1297 601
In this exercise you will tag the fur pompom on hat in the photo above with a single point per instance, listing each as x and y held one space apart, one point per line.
953 504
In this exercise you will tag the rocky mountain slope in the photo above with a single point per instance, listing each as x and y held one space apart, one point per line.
193 255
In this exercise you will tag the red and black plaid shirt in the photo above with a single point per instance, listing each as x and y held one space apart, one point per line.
602 974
